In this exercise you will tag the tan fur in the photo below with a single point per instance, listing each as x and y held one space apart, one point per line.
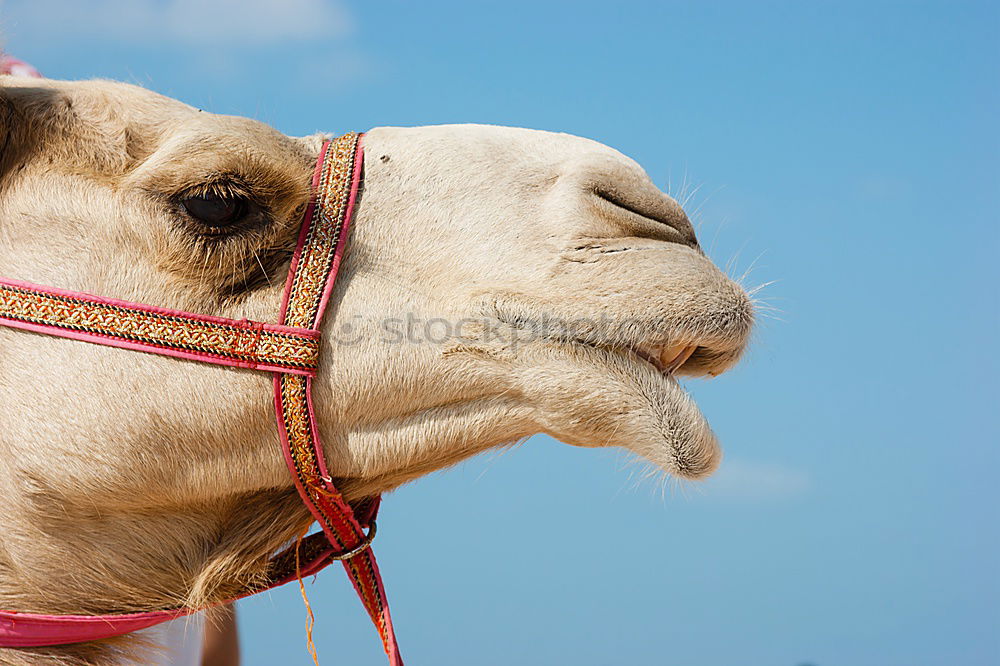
133 481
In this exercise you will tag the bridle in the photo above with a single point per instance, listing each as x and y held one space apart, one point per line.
289 350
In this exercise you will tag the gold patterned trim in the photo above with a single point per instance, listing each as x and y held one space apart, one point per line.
323 236
251 344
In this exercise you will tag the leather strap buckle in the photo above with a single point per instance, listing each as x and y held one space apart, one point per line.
361 547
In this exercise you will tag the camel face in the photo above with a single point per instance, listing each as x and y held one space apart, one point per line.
498 282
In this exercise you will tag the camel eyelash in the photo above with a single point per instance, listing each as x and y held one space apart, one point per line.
223 185
220 208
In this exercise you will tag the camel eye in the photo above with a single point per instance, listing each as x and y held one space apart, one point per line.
216 210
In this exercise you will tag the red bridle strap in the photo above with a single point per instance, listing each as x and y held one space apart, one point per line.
289 349
239 343
310 283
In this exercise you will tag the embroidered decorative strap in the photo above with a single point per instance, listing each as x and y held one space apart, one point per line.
239 343
289 349
310 282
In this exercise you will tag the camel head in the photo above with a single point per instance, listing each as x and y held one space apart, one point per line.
498 282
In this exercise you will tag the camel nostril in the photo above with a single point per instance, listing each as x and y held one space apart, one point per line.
650 213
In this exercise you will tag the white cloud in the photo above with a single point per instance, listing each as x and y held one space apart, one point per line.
755 481
203 23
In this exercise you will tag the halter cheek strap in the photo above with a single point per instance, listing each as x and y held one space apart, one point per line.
289 349
310 283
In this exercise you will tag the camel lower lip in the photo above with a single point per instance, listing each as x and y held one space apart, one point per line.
684 444
685 423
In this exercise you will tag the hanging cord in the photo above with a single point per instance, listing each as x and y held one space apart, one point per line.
310 618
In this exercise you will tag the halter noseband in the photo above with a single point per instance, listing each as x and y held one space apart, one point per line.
289 349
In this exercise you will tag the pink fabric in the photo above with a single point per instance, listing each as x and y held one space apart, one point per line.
37 630
30 630
15 67
112 341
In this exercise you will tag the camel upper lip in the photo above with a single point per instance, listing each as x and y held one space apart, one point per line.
669 352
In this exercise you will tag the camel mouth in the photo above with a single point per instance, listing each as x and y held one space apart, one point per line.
667 359
689 358
653 415
671 359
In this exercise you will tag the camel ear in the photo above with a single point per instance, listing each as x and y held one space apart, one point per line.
10 66
16 131
6 129
9 150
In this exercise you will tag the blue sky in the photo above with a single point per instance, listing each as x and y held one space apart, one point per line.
847 151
